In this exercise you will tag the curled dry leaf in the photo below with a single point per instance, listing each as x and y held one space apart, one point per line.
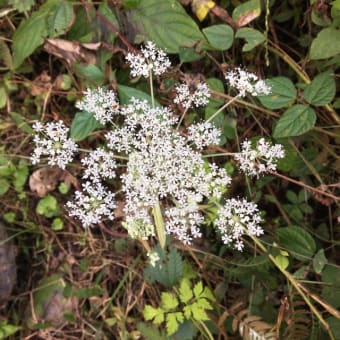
45 180
41 84
72 51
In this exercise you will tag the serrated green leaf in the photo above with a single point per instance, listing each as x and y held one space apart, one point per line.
187 311
326 44
172 321
150 313
319 261
198 289
207 293
166 23
82 125
283 93
253 38
198 313
295 121
185 291
321 90
29 35
220 37
59 19
174 266
297 241
169 301
204 303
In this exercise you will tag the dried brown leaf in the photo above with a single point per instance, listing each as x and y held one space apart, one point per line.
72 51
246 18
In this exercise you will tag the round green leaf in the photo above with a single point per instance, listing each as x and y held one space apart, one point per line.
321 90
297 241
82 125
319 261
295 121
283 93
125 93
220 37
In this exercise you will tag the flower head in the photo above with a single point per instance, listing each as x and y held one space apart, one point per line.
237 218
261 159
246 83
204 134
199 96
101 102
150 58
51 140
92 204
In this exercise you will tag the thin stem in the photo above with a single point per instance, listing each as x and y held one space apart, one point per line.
222 108
181 120
220 154
151 88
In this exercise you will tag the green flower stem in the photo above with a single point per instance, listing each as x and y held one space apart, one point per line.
181 120
222 108
160 228
151 89
296 285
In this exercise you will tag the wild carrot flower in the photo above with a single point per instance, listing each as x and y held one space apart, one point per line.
150 58
101 102
261 159
237 218
51 141
203 134
199 96
246 83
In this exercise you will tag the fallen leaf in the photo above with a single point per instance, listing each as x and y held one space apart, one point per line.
72 51
41 84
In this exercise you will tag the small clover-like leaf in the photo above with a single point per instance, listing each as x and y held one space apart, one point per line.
169 301
185 291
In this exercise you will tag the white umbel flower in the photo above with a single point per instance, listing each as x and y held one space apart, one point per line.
51 141
92 204
246 83
150 58
101 102
261 159
187 97
237 218
204 134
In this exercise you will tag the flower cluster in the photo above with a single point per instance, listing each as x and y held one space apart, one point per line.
203 134
102 103
261 159
151 58
247 83
237 218
51 140
187 97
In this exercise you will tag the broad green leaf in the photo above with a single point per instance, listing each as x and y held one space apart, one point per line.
247 12
166 23
283 93
108 13
169 301
295 121
21 5
331 291
57 224
326 44
151 332
91 72
321 90
5 55
187 55
29 35
185 292
220 37
4 186
125 93
172 321
319 261
59 19
82 125
253 38
297 241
